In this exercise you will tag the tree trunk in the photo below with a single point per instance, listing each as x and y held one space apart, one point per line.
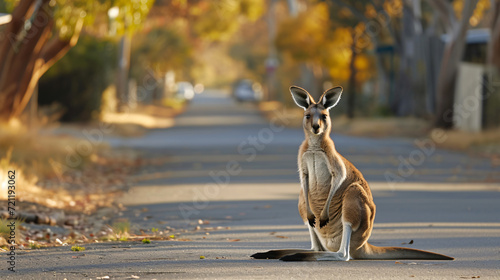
452 56
351 85
27 53
494 44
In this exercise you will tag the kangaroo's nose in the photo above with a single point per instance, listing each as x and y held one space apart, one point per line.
315 127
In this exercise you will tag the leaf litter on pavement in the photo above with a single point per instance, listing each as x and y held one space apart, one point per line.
75 206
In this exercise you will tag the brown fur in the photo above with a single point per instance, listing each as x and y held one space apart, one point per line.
351 205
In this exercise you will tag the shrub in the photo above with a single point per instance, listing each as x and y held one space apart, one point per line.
77 81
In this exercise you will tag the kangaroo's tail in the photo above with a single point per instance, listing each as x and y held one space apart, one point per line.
370 252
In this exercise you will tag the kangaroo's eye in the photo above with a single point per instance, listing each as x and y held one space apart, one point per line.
308 116
324 117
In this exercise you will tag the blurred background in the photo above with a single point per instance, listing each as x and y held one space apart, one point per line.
394 58
74 69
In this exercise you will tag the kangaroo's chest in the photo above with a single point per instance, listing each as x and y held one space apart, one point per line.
318 168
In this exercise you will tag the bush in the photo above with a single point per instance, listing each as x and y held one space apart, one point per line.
77 81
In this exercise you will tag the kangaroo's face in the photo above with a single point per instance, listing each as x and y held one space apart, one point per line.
316 119
316 115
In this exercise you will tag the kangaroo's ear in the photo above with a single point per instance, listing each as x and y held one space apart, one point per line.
301 97
331 97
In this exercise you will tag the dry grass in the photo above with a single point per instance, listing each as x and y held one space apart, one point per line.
143 117
381 127
368 127
32 151
5 231
486 142
60 172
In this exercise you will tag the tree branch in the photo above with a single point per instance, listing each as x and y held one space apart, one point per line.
33 66
494 44
353 10
13 28
56 48
446 14
50 53
21 62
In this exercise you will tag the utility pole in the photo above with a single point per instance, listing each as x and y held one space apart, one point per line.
272 59
123 69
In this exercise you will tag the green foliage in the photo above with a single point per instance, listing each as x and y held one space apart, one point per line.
77 81
67 13
251 56
146 241
323 36
5 230
7 6
131 14
121 227
77 248
161 49
218 20
35 245
305 36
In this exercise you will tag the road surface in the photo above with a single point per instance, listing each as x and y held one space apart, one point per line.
230 172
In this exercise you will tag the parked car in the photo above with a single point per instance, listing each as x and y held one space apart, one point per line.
247 90
185 90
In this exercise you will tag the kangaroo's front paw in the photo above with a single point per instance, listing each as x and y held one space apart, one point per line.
311 219
323 221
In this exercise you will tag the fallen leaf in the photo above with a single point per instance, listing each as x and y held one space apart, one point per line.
202 222
233 240
202 257
407 263
183 239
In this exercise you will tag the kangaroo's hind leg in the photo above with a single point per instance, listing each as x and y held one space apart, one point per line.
316 246
356 228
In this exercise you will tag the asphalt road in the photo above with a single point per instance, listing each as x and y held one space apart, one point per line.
224 165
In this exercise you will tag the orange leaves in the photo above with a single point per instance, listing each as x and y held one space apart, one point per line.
305 36
311 38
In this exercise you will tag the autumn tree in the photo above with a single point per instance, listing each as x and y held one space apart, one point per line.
494 45
411 31
456 28
41 32
188 36
328 36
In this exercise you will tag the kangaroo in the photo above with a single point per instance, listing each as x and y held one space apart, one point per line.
335 201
